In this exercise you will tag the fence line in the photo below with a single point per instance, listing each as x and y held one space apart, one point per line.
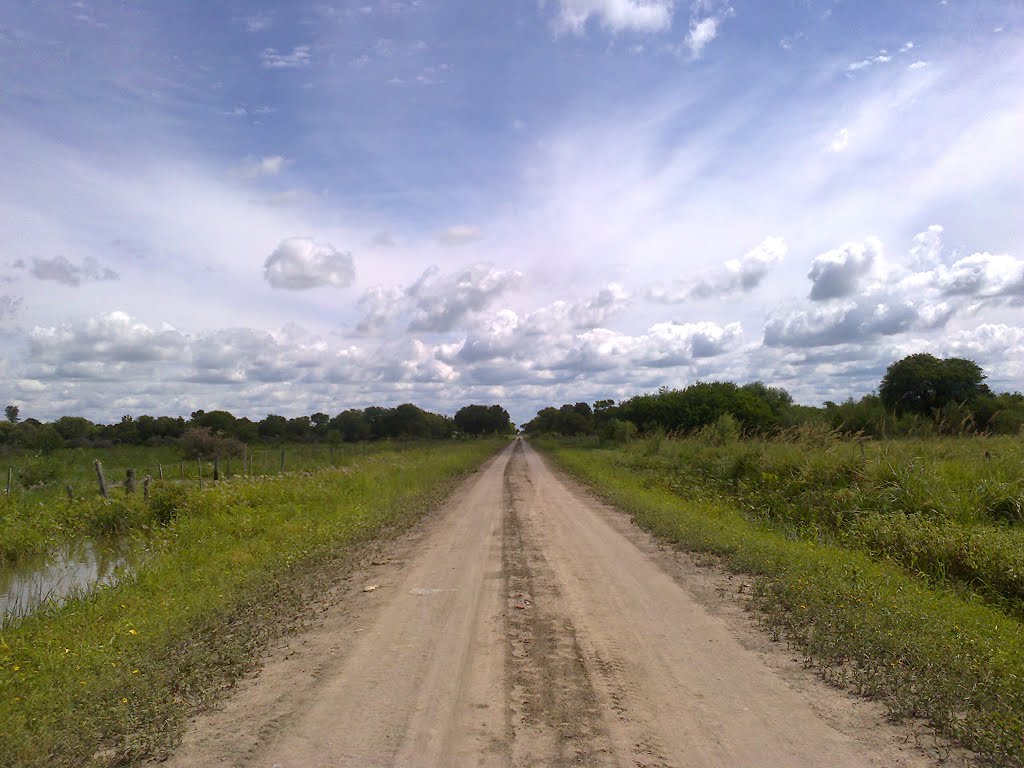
255 462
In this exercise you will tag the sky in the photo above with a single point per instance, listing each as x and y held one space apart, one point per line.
293 207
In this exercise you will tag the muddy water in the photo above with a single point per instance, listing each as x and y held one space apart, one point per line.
71 569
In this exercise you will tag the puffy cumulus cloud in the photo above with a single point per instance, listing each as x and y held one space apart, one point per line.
248 355
984 276
740 275
61 270
460 234
441 301
664 345
988 341
298 264
838 273
615 15
926 250
381 309
436 302
84 349
423 366
561 316
672 344
499 337
855 320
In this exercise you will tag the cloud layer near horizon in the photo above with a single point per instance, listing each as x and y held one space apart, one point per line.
571 201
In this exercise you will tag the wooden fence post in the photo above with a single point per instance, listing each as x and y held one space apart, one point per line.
145 487
160 470
129 482
282 459
199 464
216 468
99 476
10 478
182 467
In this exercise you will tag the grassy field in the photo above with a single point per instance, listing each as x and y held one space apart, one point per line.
109 678
40 513
896 567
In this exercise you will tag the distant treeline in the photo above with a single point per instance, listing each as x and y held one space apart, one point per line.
374 423
919 395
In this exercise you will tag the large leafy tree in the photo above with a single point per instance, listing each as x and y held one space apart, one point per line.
923 384
484 419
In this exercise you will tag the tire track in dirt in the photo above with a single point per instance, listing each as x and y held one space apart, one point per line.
553 716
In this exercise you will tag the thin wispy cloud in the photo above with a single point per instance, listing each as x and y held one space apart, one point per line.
299 56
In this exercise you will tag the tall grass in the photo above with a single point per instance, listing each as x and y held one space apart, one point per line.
948 509
110 678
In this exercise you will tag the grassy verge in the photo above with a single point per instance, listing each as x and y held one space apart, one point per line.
109 678
923 651
949 509
39 514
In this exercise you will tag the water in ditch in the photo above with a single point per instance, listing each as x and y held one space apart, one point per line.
70 569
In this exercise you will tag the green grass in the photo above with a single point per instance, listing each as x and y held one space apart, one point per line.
39 514
109 678
947 509
868 624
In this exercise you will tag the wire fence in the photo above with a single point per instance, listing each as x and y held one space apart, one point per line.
40 476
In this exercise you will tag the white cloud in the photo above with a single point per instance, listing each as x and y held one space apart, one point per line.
838 273
853 321
563 316
255 167
300 56
882 57
840 141
701 33
907 46
926 251
298 264
460 234
114 337
918 65
740 275
984 276
61 270
435 302
616 15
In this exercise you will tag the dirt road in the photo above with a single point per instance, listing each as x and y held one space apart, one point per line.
526 624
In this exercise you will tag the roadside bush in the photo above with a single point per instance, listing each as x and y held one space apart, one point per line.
34 471
166 502
201 442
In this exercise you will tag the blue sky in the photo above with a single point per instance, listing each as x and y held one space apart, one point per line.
296 207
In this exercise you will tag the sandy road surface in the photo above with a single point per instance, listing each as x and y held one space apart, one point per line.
527 625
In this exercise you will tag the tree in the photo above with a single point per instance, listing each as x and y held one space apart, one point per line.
12 413
923 384
484 419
